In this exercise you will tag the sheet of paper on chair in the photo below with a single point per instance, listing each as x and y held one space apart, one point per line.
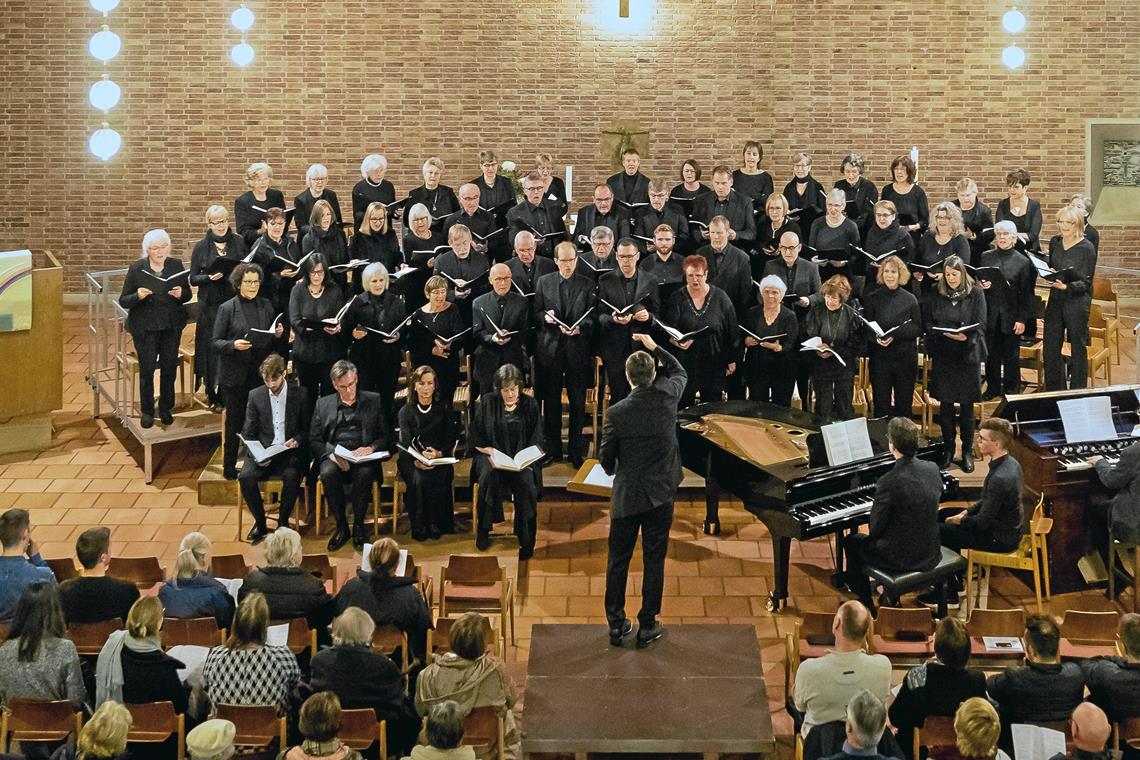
233 586
598 477
366 564
1002 644
193 657
277 635
1036 743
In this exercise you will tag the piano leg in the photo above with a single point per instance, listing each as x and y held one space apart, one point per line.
712 500
840 542
781 550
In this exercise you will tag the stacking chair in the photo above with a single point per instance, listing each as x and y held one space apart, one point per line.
257 725
155 723
1126 732
301 637
26 720
63 568
271 497
1031 554
936 732
904 634
983 623
484 727
1089 634
479 584
1115 550
89 638
1103 296
320 566
359 729
388 640
322 507
199 632
144 572
808 639
229 566
439 639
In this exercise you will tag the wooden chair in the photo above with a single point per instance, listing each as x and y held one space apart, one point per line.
1032 355
937 731
479 584
387 640
257 725
155 723
439 638
1114 551
809 638
1089 634
270 488
199 632
301 637
359 729
89 638
322 507
985 622
229 566
1031 554
594 405
1104 296
144 572
64 568
1126 732
321 566
484 727
27 720
904 633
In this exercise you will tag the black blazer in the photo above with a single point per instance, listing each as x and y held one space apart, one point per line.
640 192
259 416
671 214
731 271
904 516
373 428
589 217
516 317
639 441
739 213
235 367
303 204
158 311
546 218
1122 478
551 340
524 279
614 340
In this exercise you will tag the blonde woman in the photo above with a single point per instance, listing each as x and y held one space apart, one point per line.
132 667
250 221
193 591
104 737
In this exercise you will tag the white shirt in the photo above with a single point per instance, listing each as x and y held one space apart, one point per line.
277 407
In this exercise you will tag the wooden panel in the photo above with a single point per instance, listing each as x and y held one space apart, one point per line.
31 361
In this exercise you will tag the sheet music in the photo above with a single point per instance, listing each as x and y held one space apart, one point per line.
366 564
277 635
847 441
233 586
190 655
1002 644
598 477
1036 742
1087 419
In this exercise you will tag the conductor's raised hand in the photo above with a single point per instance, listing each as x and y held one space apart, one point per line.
646 340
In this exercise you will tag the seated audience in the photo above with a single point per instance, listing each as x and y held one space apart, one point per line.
132 668
1044 689
389 599
319 724
247 671
471 677
977 729
20 561
290 590
211 740
938 686
193 592
1090 730
38 661
865 723
826 684
1114 682
363 678
444 731
93 596
103 737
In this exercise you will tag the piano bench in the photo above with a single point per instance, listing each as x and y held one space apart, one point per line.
898 583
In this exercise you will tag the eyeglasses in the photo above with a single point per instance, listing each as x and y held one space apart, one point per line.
256 281
788 248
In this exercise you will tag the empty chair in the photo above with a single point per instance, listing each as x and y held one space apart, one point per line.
257 726
201 632
485 727
63 568
31 721
89 638
144 572
1089 634
157 723
903 633
985 623
360 730
229 566
477 584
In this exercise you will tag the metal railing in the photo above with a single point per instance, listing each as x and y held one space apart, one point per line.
107 344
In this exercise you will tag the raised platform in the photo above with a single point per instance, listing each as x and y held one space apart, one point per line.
699 689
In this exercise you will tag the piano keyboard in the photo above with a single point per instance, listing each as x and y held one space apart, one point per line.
835 508
1076 465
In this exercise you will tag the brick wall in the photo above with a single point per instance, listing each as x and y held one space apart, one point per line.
337 79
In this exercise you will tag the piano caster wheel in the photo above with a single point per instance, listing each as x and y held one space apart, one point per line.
775 603
712 528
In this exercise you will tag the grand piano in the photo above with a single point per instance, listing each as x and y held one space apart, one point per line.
1055 467
774 460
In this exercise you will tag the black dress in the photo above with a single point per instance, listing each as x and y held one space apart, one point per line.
955 369
929 252
893 368
155 324
756 186
912 207
238 370
314 350
383 247
876 242
211 295
830 378
861 199
303 204
331 244
1028 223
440 202
807 206
770 375
420 253
429 497
423 331
271 256
714 348
979 223
377 359
686 198
498 198
248 219
364 194
824 237
510 433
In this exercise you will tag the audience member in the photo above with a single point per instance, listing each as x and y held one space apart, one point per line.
211 740
193 592
444 731
826 684
1090 730
290 590
471 677
389 599
362 678
1044 689
103 737
977 729
38 661
93 596
132 667
247 671
20 561
1114 682
319 724
865 723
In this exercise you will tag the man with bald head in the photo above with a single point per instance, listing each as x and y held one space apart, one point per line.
484 238
1091 731
500 321
525 266
825 685
801 277
601 213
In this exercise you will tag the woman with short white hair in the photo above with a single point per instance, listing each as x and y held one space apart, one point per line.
316 189
372 187
250 206
423 243
290 591
377 323
770 334
836 233
155 291
439 199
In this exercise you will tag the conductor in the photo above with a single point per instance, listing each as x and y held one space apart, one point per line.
639 447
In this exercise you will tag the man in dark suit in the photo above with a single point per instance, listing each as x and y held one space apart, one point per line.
538 215
903 531
801 276
865 725
484 229
525 267
639 447
601 213
630 186
661 211
1114 682
1117 516
726 202
564 314
274 416
500 321
353 420
627 286
1009 309
729 268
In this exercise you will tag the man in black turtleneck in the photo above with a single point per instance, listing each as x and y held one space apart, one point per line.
500 321
630 186
538 215
482 224
627 286
733 206
1009 309
601 213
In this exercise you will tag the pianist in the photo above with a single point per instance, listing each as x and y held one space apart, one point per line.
994 523
1117 517
903 531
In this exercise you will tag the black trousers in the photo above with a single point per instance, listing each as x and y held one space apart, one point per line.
952 415
380 373
496 485
958 537
709 382
802 372
772 384
615 378
314 378
235 398
1003 364
833 396
157 349
360 478
428 498
1066 318
572 371
892 384
654 527
288 466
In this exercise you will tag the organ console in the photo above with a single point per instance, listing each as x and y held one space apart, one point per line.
774 460
1057 468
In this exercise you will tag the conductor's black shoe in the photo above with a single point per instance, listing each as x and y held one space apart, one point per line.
146 420
229 473
525 553
619 633
947 457
338 539
482 541
646 636
256 534
967 461
165 416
